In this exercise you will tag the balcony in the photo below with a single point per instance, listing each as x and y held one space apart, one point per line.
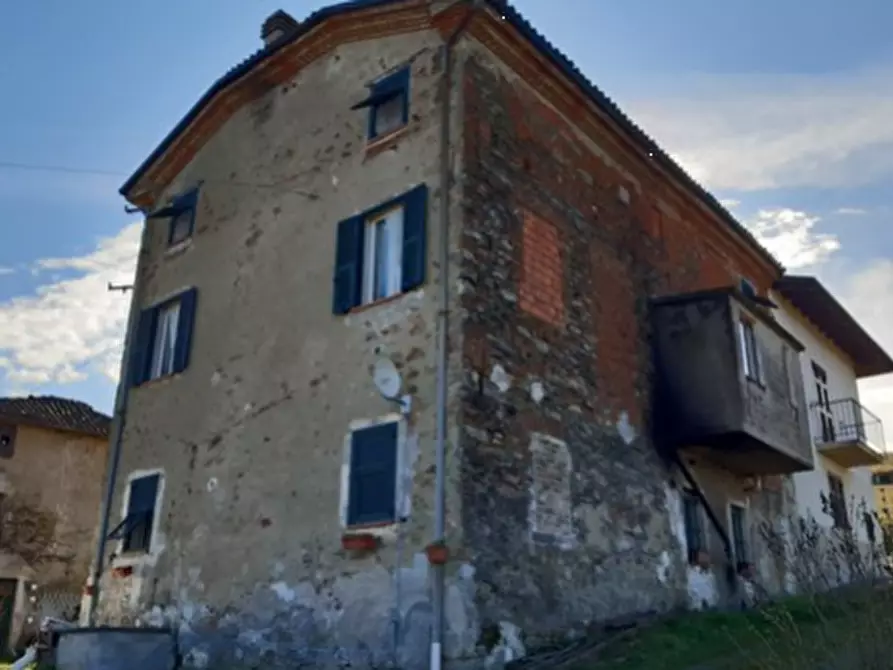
847 433
728 383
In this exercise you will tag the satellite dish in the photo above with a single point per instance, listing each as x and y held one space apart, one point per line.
387 378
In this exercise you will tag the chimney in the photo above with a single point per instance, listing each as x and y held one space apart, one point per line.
278 25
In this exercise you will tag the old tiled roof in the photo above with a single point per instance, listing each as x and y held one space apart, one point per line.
526 29
52 412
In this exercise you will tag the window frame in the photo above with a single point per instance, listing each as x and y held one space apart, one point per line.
698 531
129 519
749 349
350 268
394 268
349 523
791 360
143 347
740 545
381 92
837 502
157 354
184 204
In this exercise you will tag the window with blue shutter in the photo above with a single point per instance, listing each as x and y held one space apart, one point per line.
382 252
135 530
388 104
181 214
163 338
372 484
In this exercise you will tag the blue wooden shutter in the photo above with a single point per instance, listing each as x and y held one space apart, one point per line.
373 475
185 326
141 347
348 274
142 494
415 238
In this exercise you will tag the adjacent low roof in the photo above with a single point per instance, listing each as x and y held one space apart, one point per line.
57 413
814 301
526 29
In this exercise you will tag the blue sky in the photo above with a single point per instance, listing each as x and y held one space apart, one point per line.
782 112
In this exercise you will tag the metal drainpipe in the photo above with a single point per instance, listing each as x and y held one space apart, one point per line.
114 459
442 338
723 535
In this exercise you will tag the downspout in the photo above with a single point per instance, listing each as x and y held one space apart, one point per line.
714 519
439 570
120 414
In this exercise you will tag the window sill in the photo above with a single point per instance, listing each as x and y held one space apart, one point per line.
159 381
376 303
377 145
380 529
178 248
130 559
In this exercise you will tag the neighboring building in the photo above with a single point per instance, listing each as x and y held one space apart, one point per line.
882 482
595 302
52 460
848 440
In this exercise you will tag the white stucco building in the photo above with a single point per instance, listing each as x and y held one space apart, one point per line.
847 438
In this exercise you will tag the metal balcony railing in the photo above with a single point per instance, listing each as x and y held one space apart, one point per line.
845 421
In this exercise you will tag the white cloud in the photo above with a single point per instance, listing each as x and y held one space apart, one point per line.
6 271
851 211
768 131
790 236
73 327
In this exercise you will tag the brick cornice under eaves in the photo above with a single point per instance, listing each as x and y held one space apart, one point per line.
514 41
274 70
568 99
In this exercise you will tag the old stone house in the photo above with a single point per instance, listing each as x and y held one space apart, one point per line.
52 457
615 408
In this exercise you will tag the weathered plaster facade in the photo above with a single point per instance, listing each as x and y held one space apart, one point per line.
560 509
51 483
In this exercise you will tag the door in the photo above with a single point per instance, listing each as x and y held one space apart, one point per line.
823 403
7 605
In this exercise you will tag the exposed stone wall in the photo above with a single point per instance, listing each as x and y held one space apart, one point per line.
558 364
53 486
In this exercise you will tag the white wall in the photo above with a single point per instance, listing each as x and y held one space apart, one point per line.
842 383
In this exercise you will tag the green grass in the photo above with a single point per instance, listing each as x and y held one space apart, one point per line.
792 634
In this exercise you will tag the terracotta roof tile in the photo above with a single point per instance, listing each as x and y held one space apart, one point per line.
54 412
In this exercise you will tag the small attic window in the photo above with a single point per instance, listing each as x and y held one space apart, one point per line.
388 104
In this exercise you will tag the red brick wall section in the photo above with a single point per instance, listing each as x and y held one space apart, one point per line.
542 277
561 270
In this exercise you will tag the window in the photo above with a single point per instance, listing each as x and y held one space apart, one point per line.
181 212
381 253
135 530
823 403
739 534
750 351
388 104
164 338
791 362
694 527
837 502
882 479
747 288
7 440
372 483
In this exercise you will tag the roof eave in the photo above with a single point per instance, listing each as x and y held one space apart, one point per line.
869 358
506 11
